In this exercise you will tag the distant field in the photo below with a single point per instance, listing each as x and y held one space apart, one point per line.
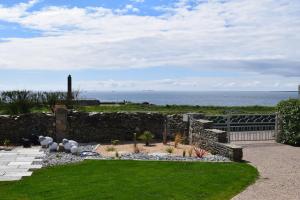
179 109
213 110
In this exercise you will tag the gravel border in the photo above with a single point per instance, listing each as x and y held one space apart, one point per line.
61 158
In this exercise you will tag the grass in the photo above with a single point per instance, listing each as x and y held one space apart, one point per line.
168 109
115 179
213 110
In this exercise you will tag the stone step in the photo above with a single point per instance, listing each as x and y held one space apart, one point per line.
19 163
10 178
30 167
14 170
12 174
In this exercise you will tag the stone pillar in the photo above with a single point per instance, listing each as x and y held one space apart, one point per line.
70 95
61 122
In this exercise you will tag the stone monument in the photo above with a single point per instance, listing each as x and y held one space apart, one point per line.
70 95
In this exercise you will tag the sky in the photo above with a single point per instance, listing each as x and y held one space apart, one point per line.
174 45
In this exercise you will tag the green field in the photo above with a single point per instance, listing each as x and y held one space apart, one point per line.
147 180
214 110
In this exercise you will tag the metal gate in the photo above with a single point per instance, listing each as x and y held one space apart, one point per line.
247 127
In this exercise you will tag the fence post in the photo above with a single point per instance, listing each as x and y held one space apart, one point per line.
228 119
277 127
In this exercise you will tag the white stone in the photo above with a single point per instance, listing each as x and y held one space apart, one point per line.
74 149
53 146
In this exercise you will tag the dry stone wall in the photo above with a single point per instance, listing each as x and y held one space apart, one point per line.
83 126
14 128
213 140
104 127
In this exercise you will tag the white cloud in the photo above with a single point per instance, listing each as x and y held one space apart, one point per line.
251 36
250 83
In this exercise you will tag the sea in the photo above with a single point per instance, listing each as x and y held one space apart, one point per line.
202 98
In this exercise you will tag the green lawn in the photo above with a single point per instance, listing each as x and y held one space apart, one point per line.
131 180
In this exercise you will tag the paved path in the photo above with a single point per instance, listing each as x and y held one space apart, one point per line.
19 162
279 168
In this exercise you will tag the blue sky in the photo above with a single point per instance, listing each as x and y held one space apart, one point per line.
150 45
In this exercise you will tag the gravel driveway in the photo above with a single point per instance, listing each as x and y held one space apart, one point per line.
279 168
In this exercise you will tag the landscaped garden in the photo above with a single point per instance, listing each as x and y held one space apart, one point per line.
116 179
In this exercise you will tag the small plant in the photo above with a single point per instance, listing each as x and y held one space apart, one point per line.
183 153
115 142
6 142
199 152
110 148
147 136
169 149
190 152
178 139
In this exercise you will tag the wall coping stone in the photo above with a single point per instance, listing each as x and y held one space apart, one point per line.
204 121
215 130
233 146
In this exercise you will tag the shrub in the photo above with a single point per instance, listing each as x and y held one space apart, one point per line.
115 142
199 152
110 148
178 139
147 136
169 149
289 122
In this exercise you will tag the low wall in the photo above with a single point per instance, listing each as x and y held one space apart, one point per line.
213 140
14 128
86 127
101 127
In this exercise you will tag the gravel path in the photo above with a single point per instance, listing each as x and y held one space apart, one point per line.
279 168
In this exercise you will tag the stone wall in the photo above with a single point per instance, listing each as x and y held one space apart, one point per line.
213 140
15 128
104 127
83 126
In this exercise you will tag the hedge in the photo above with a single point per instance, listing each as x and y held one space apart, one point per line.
289 121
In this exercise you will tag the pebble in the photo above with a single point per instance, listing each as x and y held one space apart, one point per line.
60 158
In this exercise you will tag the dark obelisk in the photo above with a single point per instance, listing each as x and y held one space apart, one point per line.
70 95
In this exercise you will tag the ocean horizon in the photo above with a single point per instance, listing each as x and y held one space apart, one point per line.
201 98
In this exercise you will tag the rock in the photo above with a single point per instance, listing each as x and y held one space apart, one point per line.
53 146
61 147
74 149
45 141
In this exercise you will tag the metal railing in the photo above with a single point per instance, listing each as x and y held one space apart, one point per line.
246 127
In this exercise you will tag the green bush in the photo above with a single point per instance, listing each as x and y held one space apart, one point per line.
289 116
147 136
